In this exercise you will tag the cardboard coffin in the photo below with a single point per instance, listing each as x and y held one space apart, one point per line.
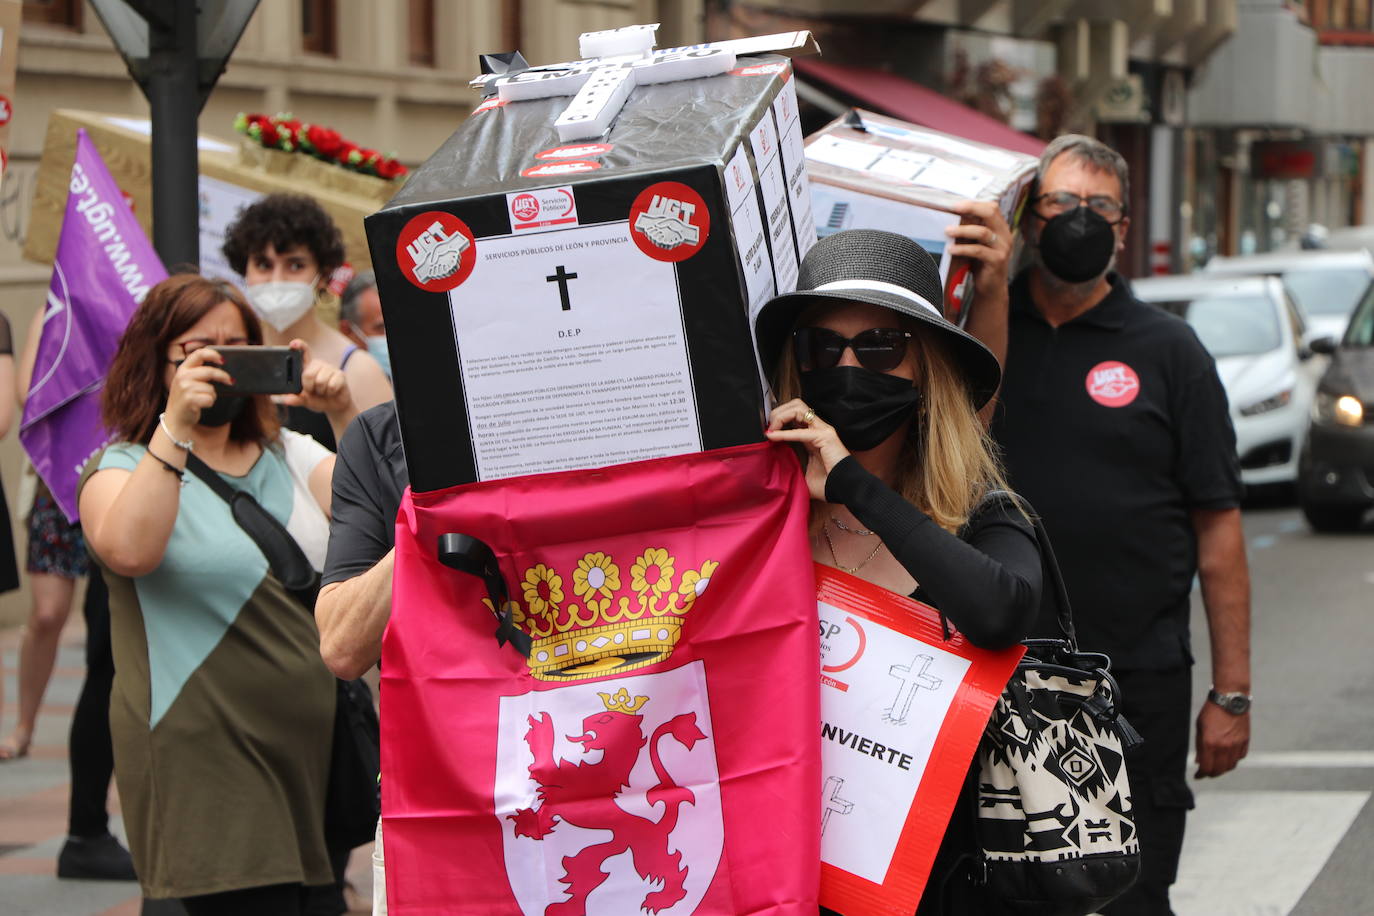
872 172
558 304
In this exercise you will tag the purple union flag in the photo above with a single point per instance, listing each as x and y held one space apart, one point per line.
103 269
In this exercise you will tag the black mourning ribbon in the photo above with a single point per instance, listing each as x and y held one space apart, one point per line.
470 555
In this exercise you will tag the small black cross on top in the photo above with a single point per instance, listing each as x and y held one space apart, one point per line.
561 277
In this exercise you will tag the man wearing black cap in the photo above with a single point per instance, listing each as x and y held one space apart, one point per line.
1115 427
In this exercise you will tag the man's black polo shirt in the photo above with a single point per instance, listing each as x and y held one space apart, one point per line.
1114 426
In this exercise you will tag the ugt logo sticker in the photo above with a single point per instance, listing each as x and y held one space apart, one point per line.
1113 384
669 221
545 209
558 169
436 251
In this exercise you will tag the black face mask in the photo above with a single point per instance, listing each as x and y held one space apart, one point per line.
226 409
864 406
1077 245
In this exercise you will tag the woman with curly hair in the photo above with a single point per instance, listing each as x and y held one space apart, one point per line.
286 248
222 711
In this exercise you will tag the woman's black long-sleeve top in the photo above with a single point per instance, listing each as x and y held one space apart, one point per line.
987 581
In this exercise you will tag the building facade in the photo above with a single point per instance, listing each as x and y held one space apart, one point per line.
1286 126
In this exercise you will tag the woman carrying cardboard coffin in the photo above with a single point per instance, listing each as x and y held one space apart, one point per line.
222 711
883 393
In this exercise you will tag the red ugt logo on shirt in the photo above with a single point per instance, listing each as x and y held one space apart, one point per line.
1113 384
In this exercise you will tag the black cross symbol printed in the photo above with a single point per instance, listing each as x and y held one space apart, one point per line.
561 277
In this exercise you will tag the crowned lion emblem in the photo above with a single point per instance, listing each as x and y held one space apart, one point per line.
584 795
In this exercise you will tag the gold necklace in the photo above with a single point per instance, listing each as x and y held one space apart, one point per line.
861 532
825 530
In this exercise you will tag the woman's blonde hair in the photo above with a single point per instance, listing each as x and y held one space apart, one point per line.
948 461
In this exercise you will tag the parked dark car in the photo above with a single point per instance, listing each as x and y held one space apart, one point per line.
1336 470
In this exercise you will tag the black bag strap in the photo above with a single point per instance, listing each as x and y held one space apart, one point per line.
475 557
284 556
1064 611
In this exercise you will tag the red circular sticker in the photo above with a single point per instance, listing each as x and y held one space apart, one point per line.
436 251
491 103
575 151
669 221
525 207
1113 384
6 110
758 70
559 169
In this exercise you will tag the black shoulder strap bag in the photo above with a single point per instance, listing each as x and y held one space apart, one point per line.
353 799
1054 819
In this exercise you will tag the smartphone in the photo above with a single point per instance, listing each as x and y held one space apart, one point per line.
262 370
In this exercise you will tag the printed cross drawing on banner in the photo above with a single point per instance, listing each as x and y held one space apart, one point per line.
900 709
833 803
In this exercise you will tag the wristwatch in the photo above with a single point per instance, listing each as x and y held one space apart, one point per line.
1237 704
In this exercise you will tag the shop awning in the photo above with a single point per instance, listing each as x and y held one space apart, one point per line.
894 95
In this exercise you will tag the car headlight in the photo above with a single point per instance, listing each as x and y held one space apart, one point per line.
1270 403
1342 409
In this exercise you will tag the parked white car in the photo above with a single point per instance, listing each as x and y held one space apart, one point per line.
1327 284
1255 332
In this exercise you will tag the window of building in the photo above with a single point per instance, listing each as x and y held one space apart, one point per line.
421 41
64 13
318 27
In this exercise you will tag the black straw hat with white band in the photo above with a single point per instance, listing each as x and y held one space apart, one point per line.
883 269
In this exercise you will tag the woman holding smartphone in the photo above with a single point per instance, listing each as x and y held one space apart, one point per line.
222 710
883 393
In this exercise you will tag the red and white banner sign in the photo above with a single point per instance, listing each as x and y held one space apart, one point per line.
902 712
667 708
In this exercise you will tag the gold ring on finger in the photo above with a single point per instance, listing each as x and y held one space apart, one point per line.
808 416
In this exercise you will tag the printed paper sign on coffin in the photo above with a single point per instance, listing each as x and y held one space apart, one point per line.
668 706
556 305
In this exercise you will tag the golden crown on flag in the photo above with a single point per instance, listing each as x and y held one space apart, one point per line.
605 628
620 701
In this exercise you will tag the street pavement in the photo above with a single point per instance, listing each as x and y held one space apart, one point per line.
1290 832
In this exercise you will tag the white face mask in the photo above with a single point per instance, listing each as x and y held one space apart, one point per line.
281 304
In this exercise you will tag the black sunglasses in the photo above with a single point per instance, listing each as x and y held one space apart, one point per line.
879 349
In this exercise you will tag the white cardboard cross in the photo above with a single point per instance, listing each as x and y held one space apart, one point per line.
615 61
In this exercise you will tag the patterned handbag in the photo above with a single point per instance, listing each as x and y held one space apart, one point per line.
1054 805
